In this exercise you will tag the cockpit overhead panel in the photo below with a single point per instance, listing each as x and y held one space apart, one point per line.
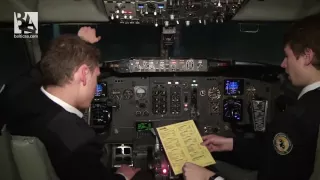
172 12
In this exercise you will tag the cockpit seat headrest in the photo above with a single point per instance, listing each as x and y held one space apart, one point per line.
30 158
9 170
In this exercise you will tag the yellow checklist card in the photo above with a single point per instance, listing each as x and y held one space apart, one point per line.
181 142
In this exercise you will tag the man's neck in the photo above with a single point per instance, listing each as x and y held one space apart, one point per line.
314 80
63 93
313 77
312 84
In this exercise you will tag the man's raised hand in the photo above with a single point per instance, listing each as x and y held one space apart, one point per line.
88 34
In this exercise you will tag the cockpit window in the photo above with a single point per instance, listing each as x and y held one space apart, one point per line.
118 41
226 41
14 56
45 36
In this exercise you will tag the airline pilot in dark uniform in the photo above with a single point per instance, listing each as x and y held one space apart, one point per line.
51 110
288 150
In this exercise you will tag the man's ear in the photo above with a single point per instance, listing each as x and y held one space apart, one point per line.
309 56
83 71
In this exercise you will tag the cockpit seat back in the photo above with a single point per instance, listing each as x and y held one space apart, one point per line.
316 169
9 169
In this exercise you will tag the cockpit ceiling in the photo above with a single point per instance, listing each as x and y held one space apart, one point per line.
93 10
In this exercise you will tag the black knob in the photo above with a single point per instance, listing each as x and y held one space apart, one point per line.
145 113
142 105
163 93
138 113
215 130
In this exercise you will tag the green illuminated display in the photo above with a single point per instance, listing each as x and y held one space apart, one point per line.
144 126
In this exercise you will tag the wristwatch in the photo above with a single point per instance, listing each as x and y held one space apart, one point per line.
216 177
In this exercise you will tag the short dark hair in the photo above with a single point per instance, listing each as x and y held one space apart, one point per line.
64 55
305 34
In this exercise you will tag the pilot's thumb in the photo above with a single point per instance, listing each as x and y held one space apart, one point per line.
206 143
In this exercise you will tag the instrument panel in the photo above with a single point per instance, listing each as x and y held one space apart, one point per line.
216 104
129 107
172 12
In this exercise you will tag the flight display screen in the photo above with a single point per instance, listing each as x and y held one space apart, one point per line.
100 90
233 87
143 126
